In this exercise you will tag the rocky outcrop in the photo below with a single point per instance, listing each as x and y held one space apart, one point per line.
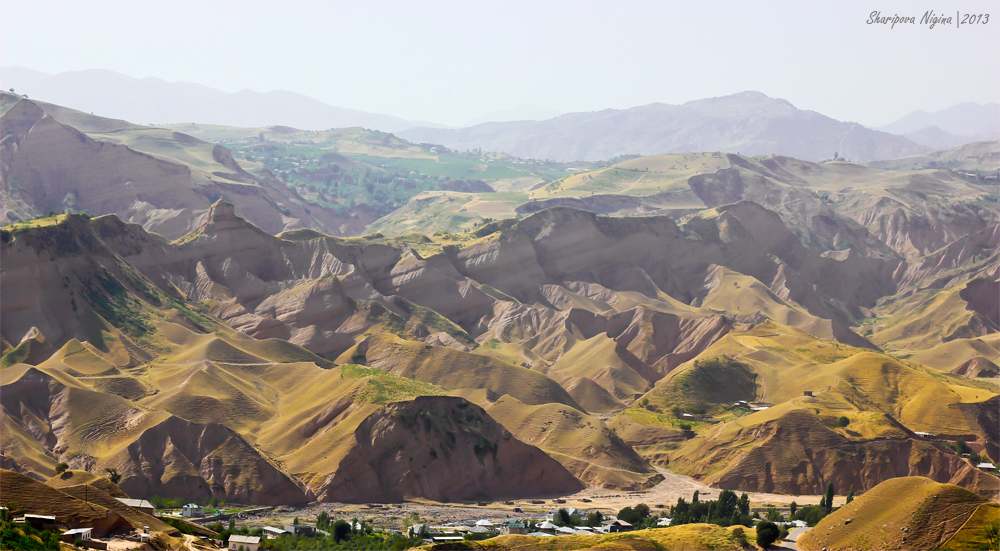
444 449
978 367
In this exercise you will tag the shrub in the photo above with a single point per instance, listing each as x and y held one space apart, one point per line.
767 533
741 537
843 421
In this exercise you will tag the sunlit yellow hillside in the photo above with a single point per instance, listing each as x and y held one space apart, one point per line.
907 513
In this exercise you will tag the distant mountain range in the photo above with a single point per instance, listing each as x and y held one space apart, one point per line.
155 101
523 112
957 125
970 119
749 123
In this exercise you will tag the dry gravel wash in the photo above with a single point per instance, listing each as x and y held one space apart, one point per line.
392 515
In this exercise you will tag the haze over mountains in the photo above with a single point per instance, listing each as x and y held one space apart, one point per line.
973 120
750 123
957 125
155 101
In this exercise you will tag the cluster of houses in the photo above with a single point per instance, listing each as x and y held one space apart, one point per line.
546 528
85 534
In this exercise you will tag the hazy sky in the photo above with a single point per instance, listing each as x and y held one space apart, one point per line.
450 62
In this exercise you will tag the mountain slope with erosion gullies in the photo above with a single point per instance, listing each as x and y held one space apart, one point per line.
156 177
494 355
181 404
830 206
774 409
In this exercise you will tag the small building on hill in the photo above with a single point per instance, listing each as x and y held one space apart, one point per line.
39 522
986 467
82 534
244 543
300 529
616 526
270 532
192 510
139 505
513 527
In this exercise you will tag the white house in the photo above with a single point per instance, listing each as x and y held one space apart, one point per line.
270 532
986 466
192 510
82 534
244 543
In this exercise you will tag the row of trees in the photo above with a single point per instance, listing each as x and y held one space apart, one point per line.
727 510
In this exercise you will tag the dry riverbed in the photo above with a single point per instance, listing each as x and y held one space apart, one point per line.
395 515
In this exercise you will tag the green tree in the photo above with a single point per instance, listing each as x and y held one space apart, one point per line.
744 504
829 497
844 421
595 519
629 515
850 494
642 510
295 521
563 518
792 508
323 520
694 498
727 504
767 533
61 468
113 475
341 530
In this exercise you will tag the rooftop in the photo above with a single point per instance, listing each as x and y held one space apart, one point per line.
140 503
244 539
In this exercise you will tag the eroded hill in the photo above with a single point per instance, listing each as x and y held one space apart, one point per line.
540 330
58 159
